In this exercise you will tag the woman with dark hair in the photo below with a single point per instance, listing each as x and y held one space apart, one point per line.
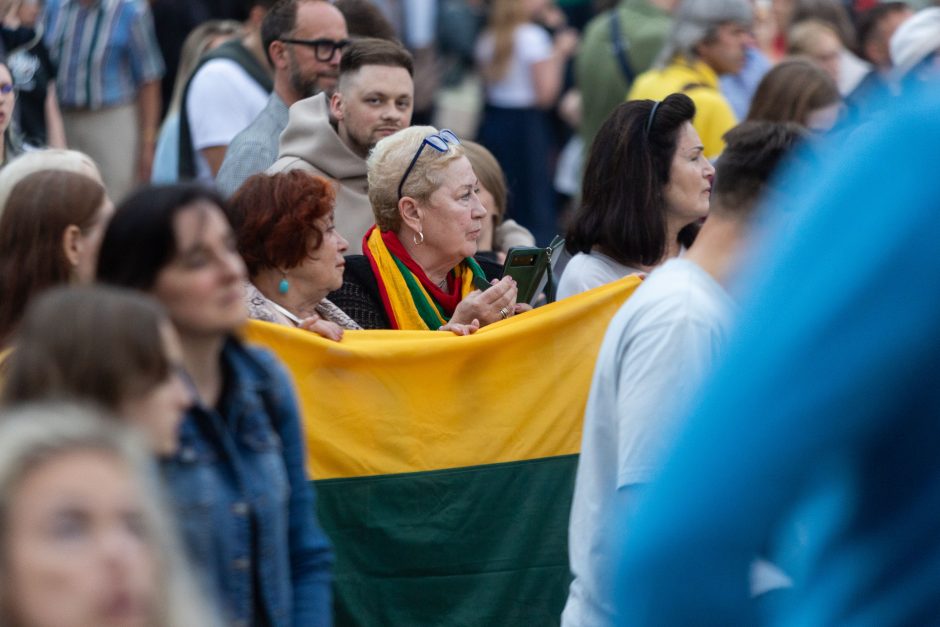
109 346
797 90
245 505
294 254
646 179
50 232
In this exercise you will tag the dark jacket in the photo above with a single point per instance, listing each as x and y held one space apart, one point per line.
245 506
360 299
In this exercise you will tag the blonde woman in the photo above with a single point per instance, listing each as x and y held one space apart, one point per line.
204 38
523 69
86 540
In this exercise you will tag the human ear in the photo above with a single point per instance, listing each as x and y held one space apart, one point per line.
411 213
336 106
72 243
278 53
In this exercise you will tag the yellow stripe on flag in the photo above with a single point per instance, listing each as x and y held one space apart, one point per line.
387 402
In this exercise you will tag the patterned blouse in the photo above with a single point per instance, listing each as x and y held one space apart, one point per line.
261 307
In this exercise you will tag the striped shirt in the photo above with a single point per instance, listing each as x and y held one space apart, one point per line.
105 50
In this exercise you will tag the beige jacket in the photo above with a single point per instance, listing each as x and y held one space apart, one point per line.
310 143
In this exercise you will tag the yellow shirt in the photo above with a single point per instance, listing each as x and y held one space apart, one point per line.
713 114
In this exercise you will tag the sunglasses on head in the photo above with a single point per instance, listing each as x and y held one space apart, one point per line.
441 142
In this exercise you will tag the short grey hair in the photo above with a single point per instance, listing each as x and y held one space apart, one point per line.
41 160
34 434
697 20
388 162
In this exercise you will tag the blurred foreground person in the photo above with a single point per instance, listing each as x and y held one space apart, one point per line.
47 159
827 396
103 345
50 231
238 480
86 541
657 349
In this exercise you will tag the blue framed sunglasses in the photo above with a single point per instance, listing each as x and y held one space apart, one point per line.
441 142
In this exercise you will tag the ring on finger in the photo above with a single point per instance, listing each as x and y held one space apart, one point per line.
504 313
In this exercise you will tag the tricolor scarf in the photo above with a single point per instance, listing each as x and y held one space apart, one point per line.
411 300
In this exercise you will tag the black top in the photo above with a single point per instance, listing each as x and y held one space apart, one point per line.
32 71
360 299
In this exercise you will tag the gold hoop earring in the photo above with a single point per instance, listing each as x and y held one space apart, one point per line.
414 238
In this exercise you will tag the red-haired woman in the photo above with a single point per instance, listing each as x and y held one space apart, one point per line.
294 254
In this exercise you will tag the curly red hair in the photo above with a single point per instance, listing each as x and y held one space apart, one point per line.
275 218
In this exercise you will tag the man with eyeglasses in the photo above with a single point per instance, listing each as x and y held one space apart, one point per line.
304 41
332 137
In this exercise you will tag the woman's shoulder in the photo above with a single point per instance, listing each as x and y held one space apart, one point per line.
359 296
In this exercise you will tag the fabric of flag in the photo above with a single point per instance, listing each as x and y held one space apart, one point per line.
445 465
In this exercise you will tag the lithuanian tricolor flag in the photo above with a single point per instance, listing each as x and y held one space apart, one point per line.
445 465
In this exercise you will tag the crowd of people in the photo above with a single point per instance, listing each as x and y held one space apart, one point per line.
170 170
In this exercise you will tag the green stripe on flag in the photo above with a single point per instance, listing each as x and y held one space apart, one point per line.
480 545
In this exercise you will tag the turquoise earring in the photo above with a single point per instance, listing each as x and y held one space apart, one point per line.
283 286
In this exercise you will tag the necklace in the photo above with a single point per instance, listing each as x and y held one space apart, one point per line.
286 313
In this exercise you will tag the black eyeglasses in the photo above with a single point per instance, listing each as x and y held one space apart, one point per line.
323 49
440 142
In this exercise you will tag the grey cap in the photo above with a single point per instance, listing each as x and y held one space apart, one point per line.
694 20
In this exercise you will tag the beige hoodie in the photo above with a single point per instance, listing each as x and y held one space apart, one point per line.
310 143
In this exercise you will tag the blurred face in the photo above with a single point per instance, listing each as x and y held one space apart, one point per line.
28 12
159 410
878 49
826 51
91 243
202 286
371 104
688 191
452 219
308 74
75 550
725 51
7 97
489 223
321 272
823 119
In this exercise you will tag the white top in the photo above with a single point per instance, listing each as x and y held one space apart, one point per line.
516 90
586 271
657 349
222 101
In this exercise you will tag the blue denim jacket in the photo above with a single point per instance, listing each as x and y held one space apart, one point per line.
244 504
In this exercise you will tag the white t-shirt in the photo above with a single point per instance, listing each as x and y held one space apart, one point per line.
516 90
590 270
656 351
222 101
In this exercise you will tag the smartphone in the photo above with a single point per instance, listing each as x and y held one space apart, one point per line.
526 266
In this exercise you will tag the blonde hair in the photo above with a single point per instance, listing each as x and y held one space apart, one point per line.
33 434
197 44
47 159
803 35
388 162
505 17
